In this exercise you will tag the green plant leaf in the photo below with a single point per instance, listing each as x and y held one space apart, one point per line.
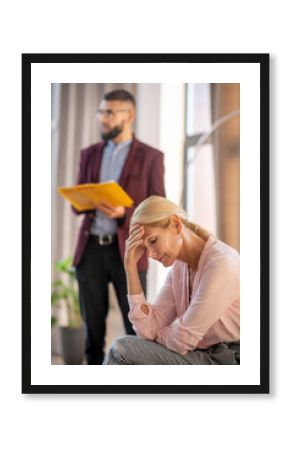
65 289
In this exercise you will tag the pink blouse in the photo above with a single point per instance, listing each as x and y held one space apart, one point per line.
187 316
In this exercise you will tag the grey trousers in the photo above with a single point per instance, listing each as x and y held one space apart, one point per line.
138 351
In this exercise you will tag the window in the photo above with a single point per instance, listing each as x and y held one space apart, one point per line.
199 182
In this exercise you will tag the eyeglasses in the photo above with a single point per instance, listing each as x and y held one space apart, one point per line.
109 113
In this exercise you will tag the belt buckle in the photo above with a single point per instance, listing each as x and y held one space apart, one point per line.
107 241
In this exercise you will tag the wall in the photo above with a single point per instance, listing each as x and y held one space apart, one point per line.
160 123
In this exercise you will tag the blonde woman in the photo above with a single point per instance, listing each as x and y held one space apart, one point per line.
195 318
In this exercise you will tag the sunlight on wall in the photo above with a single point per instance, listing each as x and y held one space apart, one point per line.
201 201
160 123
171 143
200 184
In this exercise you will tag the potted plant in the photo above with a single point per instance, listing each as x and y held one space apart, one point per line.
64 293
56 347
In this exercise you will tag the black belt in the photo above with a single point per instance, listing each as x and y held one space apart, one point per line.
108 239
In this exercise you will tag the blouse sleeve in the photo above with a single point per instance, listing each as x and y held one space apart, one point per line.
218 288
161 313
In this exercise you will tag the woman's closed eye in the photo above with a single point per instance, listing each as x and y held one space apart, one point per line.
153 241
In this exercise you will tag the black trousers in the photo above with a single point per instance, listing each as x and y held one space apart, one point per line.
101 264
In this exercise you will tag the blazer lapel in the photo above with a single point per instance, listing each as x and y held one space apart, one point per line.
129 163
96 166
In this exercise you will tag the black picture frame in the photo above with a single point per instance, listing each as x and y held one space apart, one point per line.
263 61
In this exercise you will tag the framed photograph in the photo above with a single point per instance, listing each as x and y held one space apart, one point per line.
208 114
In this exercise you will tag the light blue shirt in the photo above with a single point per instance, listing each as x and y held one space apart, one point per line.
114 157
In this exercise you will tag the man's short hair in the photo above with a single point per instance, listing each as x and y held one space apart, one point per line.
121 95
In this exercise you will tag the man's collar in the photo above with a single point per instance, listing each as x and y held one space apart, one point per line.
113 145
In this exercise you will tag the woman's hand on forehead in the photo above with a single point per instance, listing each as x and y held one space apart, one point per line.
136 226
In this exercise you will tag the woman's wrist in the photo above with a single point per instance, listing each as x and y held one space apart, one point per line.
133 281
130 267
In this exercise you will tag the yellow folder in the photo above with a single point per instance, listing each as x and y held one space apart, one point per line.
85 196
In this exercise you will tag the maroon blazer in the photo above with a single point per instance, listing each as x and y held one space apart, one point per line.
142 176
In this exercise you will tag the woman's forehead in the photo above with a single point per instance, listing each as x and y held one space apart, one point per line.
149 230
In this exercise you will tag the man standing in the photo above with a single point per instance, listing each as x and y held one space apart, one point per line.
99 254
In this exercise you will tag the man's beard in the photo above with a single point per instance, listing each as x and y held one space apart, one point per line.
113 133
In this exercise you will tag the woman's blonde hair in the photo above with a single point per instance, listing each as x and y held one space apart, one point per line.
156 211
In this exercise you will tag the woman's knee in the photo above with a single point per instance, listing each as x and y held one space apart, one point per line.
121 350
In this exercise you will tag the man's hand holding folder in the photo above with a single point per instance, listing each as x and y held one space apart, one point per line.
108 197
113 212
